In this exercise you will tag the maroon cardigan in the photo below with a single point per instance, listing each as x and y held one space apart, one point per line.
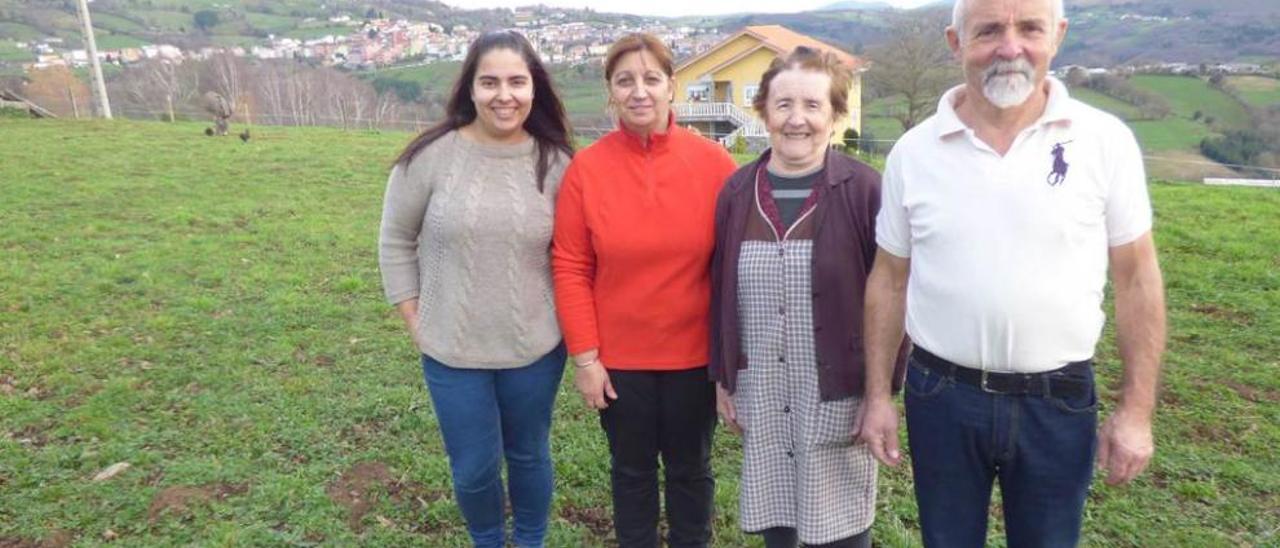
844 246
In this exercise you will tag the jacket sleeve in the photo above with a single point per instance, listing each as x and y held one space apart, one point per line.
715 365
573 266
871 203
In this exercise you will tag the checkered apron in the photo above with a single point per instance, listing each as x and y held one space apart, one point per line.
800 466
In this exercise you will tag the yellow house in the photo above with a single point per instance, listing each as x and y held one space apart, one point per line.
714 89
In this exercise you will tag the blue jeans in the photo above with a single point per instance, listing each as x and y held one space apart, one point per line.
1039 448
488 414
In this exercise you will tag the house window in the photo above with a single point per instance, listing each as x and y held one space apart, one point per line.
698 93
749 93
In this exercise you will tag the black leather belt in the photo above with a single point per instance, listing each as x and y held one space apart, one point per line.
1069 381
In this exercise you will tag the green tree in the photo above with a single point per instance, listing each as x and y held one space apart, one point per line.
206 19
850 138
408 91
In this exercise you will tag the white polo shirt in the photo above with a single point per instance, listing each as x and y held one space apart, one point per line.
1009 254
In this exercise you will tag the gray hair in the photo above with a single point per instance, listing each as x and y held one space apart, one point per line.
957 15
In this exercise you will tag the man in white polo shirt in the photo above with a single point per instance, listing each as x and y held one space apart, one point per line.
1000 217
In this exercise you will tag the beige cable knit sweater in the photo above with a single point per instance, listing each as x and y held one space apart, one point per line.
466 232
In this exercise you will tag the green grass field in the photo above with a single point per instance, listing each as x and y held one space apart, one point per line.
1171 133
116 41
311 33
10 52
115 23
210 312
1258 91
1187 95
582 93
19 31
1121 109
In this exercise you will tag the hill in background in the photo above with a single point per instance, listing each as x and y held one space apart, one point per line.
1104 32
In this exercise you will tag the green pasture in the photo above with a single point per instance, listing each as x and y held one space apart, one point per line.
1258 91
1121 109
210 312
1188 94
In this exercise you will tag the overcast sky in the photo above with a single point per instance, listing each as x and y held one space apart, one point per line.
674 7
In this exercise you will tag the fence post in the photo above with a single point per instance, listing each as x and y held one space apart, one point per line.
75 108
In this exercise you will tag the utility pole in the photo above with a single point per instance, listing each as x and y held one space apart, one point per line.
99 87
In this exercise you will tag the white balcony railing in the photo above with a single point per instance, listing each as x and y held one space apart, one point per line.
747 125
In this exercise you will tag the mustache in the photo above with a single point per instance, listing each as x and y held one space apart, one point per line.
1020 66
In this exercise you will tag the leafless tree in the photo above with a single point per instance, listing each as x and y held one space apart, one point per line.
914 64
228 75
159 85
385 108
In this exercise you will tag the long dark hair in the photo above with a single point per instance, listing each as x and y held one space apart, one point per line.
547 122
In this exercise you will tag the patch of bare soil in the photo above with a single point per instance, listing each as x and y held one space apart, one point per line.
179 499
57 538
594 519
1222 313
1254 393
357 490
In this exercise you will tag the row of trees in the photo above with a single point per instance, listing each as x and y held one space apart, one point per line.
1151 106
276 92
1254 151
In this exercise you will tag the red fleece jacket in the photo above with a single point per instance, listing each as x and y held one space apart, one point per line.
631 254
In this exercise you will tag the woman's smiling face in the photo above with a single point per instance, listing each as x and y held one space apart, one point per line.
502 91
641 92
799 117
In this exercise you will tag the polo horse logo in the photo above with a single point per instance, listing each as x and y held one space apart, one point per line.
1060 165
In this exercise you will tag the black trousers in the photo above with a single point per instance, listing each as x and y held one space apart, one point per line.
667 413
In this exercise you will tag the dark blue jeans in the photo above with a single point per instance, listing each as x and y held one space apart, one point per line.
488 414
1039 448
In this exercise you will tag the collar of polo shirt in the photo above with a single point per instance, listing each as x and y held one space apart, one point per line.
1056 109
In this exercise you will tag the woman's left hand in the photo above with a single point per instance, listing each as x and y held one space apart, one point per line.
725 408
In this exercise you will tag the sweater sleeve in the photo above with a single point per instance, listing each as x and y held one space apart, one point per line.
573 267
403 209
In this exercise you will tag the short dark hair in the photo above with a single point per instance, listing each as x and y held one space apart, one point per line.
547 122
806 58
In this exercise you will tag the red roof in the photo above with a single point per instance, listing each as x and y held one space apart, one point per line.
781 40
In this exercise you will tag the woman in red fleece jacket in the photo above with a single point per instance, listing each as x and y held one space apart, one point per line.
631 254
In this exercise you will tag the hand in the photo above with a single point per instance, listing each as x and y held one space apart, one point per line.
1125 446
408 310
725 408
876 424
412 326
594 385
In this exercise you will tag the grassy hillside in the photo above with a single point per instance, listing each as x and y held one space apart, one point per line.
1189 94
1258 91
210 312
1176 132
581 88
1121 109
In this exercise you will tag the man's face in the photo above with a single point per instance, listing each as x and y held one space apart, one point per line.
1006 47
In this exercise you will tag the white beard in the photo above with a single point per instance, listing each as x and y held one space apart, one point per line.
1011 88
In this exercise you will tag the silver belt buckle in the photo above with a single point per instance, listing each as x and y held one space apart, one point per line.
983 384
